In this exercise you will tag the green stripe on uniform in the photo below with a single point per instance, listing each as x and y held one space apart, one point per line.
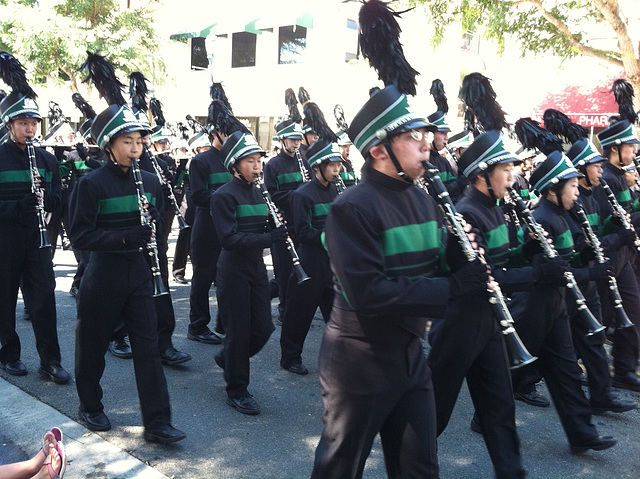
411 238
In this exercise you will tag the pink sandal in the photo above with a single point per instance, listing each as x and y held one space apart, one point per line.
57 434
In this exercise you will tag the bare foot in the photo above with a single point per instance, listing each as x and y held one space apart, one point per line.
52 466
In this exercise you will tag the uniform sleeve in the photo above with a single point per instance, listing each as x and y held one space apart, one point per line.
357 261
300 214
52 189
198 176
223 212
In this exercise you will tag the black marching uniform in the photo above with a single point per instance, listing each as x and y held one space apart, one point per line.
240 219
182 192
309 207
206 174
105 219
23 258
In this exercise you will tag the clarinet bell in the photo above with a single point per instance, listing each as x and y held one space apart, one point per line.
182 223
158 285
592 324
622 320
518 354
300 274
44 240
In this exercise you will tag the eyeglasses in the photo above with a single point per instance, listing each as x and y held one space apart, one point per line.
420 135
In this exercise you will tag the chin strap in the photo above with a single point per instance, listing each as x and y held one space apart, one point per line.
583 170
492 195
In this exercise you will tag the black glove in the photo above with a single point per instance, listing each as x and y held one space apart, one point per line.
551 272
279 234
28 203
138 236
166 192
617 221
587 254
82 152
472 278
627 237
531 248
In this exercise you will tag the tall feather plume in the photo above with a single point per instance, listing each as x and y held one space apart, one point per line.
156 112
14 74
184 131
195 125
223 120
303 96
292 104
380 44
437 92
103 76
138 91
314 117
623 93
532 136
217 93
561 125
55 114
338 112
81 104
480 98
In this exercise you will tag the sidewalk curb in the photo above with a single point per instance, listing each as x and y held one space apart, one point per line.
25 419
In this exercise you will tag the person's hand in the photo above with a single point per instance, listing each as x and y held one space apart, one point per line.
138 236
279 234
471 278
551 272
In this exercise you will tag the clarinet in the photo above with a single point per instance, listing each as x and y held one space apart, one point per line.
303 171
518 354
35 189
619 211
340 186
623 320
538 232
350 164
451 152
156 167
152 247
273 212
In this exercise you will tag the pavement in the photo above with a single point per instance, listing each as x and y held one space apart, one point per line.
280 442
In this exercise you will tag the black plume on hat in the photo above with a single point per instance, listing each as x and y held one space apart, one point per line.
55 114
156 112
184 131
195 125
303 96
292 104
217 93
103 76
532 136
379 41
223 120
14 74
560 124
138 91
437 92
623 93
81 104
338 112
480 104
314 118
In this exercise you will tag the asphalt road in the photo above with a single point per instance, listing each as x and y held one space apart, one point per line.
280 442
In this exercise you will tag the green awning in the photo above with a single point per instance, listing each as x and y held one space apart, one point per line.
193 33
221 28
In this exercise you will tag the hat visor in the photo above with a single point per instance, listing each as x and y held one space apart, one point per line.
414 124
129 129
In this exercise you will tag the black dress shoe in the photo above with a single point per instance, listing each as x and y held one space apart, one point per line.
297 368
533 399
208 337
173 357
15 368
179 278
244 404
120 348
598 443
55 373
167 434
613 405
96 421
629 380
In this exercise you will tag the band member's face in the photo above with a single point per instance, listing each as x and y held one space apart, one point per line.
292 143
161 146
627 153
412 152
344 151
311 138
501 177
250 165
23 129
202 149
127 147
332 169
594 172
569 193
440 139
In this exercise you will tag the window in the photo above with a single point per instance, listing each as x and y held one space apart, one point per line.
351 39
292 43
199 60
243 50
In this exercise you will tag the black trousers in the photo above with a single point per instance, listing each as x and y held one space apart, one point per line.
468 344
543 327
282 266
183 244
245 308
82 257
119 286
23 259
357 407
591 348
205 251
304 299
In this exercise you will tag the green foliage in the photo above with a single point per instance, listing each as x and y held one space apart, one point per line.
51 37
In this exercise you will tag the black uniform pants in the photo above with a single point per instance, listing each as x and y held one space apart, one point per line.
205 251
24 260
304 299
282 266
245 309
356 407
468 344
119 286
544 329
82 257
183 244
